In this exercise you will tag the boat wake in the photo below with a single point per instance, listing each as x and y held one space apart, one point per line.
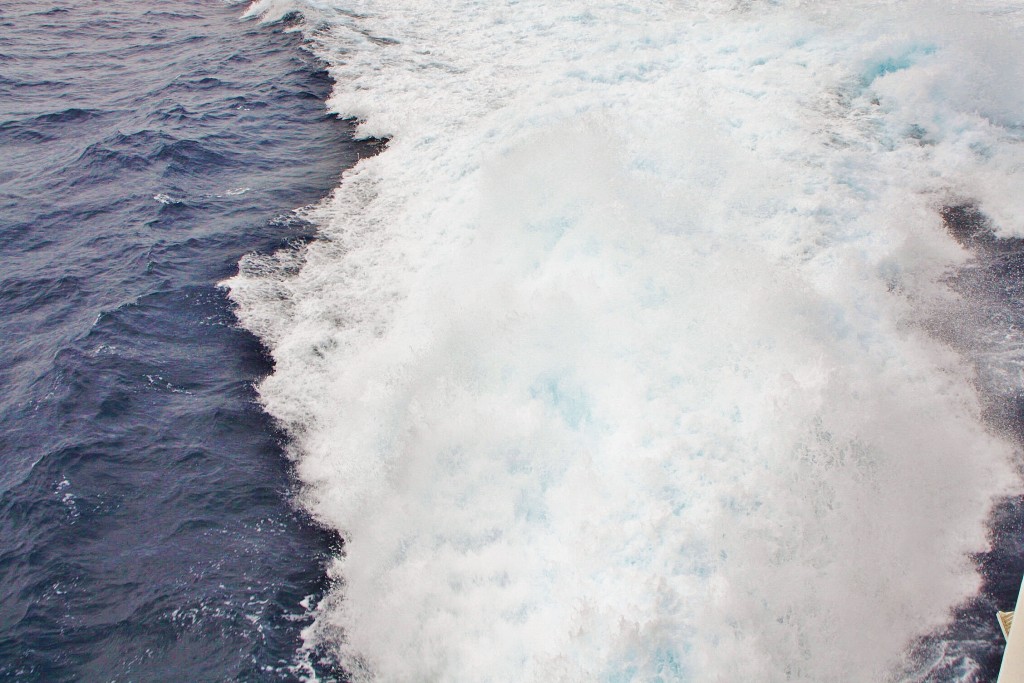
620 362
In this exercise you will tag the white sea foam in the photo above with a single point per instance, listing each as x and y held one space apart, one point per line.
613 366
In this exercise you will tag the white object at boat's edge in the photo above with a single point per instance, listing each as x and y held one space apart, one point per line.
1012 669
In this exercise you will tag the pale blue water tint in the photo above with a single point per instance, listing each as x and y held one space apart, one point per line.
666 341
145 528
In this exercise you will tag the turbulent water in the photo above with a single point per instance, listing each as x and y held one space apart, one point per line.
657 344
676 341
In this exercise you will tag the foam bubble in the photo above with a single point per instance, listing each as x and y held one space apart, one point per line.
613 365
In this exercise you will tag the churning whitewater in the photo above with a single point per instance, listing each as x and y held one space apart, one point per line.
620 362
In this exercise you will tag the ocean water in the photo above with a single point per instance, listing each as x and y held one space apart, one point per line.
665 341
146 532
673 341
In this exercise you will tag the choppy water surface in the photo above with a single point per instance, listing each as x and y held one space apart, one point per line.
665 341
145 532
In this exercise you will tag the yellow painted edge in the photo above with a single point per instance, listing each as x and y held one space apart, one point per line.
1005 622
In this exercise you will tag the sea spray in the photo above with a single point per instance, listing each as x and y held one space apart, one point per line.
615 364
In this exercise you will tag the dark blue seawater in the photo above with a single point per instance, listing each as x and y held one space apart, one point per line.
145 528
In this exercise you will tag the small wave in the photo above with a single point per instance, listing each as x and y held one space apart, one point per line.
72 115
46 126
235 192
186 156
166 199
